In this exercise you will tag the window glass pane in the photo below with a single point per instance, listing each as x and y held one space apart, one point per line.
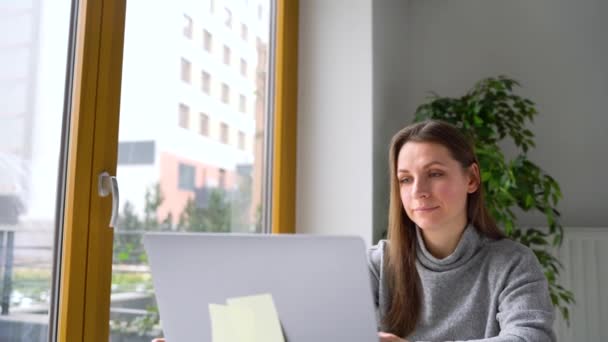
187 26
206 82
136 152
186 70
189 160
34 39
243 68
226 55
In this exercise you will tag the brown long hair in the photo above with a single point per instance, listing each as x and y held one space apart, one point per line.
403 279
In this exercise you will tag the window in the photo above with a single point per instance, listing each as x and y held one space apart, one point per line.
242 103
204 124
226 55
185 177
224 133
222 178
162 197
225 93
184 116
136 153
241 140
244 32
186 70
243 68
30 231
207 40
227 17
206 82
260 12
187 30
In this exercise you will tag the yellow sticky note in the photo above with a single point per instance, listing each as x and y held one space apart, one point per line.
263 314
220 323
242 323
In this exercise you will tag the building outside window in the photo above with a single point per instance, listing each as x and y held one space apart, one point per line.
224 133
207 40
204 124
185 178
241 140
243 68
226 55
184 116
186 70
242 103
225 93
244 32
187 27
227 17
206 82
222 179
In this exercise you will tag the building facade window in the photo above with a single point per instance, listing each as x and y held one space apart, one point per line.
222 178
243 67
244 32
206 82
226 55
225 93
242 103
187 30
204 124
227 17
224 133
207 41
186 177
184 116
186 70
136 152
241 140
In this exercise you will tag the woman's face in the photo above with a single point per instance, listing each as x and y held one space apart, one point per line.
434 186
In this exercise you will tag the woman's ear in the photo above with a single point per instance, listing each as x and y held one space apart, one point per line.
474 178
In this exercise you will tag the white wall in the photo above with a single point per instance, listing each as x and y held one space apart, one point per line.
334 162
557 49
389 95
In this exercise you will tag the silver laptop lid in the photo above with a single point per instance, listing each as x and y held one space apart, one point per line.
320 284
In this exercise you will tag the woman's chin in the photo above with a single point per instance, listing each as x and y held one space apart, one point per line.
428 225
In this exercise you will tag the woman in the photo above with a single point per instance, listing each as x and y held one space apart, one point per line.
446 272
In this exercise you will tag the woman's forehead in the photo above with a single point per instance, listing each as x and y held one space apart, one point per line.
420 155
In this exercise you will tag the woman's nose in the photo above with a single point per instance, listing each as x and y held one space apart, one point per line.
420 189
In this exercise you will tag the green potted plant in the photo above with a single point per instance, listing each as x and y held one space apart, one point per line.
488 113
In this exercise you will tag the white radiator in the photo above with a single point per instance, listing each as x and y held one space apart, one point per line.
584 254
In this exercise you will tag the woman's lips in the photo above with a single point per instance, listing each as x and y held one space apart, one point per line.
425 209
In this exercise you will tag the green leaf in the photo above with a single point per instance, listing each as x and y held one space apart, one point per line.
478 121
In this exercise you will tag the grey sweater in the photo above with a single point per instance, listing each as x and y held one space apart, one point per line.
486 290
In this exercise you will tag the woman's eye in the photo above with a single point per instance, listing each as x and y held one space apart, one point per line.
436 174
405 180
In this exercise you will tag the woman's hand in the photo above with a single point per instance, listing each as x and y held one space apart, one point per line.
386 337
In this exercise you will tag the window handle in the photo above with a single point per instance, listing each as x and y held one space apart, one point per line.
106 185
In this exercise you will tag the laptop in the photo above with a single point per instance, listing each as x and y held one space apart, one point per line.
320 284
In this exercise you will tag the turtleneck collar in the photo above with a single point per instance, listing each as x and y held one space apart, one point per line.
469 243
